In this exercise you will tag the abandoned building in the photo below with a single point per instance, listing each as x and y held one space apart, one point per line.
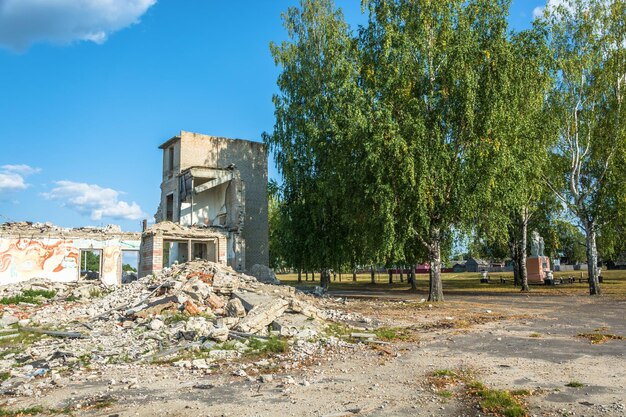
41 250
213 204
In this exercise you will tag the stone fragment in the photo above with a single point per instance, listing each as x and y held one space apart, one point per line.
262 315
156 324
215 301
219 334
191 308
235 308
252 299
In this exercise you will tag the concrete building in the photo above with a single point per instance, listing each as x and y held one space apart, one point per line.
41 250
216 188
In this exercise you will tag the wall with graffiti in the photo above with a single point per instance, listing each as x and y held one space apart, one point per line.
58 259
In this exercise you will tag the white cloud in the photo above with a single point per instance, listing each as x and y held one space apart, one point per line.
12 177
24 22
550 4
20 169
11 182
95 201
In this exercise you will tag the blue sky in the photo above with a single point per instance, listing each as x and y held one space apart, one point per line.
90 88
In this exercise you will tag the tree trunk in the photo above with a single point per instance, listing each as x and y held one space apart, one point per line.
299 275
434 257
523 244
312 275
354 275
513 247
307 275
390 276
325 278
592 259
373 275
402 274
412 278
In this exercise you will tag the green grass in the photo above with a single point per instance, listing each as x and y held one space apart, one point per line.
71 298
30 411
535 334
28 296
469 282
392 333
4 376
444 373
575 384
95 293
271 345
497 402
445 394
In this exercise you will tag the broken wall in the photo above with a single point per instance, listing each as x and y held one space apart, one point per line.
58 258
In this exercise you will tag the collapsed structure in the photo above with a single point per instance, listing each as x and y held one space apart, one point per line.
214 191
213 207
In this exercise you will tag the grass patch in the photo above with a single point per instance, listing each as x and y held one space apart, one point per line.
445 394
71 298
598 338
4 376
272 345
338 330
393 333
47 294
30 411
535 334
498 402
28 296
575 384
444 373
20 339
95 293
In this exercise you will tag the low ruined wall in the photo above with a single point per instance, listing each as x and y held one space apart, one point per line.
58 259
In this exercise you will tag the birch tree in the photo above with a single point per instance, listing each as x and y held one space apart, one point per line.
588 45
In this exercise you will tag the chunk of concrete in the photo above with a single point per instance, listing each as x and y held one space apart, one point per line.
235 308
252 299
297 325
262 316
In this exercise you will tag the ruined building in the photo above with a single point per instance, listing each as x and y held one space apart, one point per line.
213 204
42 250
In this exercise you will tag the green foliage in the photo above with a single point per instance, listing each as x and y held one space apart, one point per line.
575 384
496 401
587 45
271 345
128 268
90 260
29 411
28 296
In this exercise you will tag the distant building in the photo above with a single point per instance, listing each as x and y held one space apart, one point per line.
459 266
476 265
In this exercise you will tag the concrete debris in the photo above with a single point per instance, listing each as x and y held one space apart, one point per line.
193 315
264 274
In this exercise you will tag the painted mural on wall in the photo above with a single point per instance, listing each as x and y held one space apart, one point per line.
58 259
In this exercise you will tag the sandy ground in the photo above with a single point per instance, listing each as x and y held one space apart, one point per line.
507 342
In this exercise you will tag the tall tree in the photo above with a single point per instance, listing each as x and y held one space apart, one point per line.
319 117
588 46
433 69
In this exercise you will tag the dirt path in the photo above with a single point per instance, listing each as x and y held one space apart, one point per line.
536 349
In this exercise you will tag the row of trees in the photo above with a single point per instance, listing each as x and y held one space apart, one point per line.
435 119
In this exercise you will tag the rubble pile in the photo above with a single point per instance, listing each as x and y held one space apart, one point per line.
192 315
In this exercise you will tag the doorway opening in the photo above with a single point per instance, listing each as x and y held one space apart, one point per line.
90 264
130 265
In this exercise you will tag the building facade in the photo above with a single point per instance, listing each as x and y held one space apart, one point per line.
216 186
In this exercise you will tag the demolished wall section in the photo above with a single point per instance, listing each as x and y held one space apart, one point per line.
39 250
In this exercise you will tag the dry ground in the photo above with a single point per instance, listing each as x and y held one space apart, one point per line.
506 340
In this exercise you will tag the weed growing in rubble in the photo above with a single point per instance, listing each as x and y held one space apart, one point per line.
575 384
28 296
271 345
95 293
39 293
392 333
496 401
4 376
30 411
338 330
